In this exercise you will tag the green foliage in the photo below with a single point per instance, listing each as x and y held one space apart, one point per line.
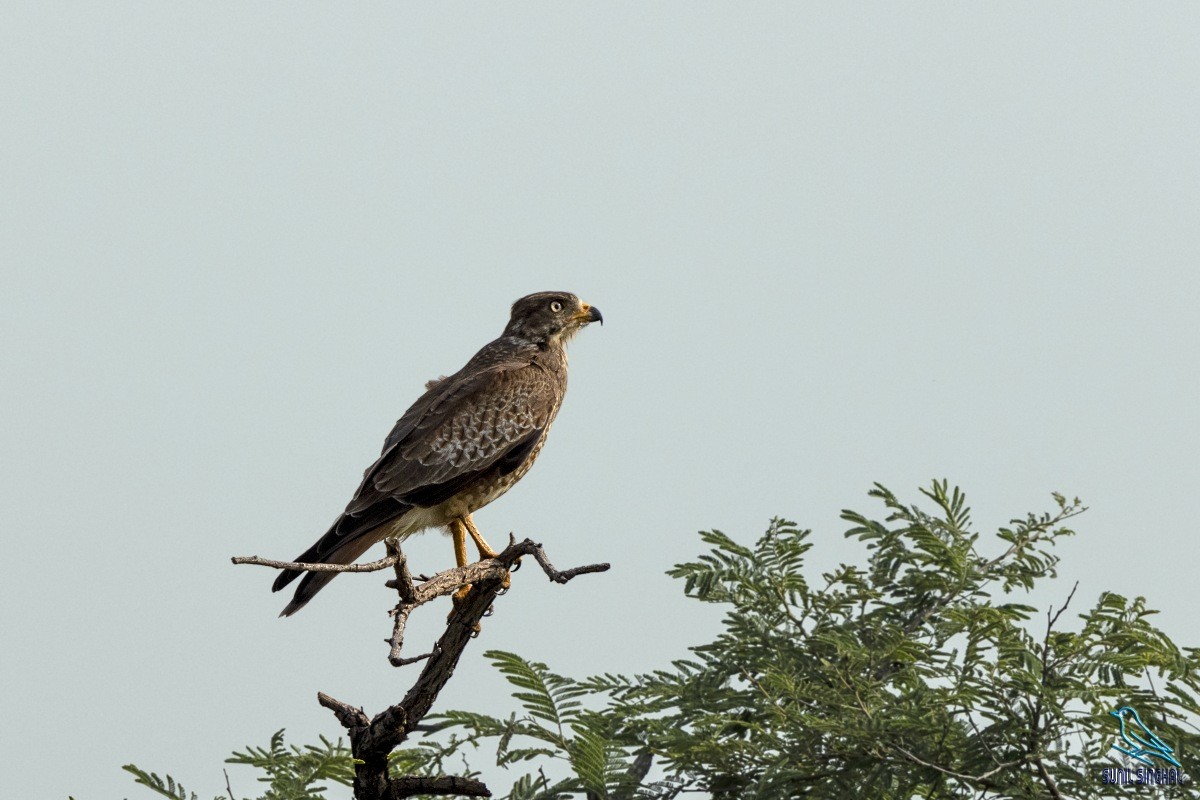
167 787
293 772
290 772
553 726
915 675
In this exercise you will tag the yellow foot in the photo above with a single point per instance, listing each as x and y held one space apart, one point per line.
459 529
457 598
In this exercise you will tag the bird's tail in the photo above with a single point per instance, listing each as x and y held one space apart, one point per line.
314 582
349 537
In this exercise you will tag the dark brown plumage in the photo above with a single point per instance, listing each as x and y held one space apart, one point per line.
462 444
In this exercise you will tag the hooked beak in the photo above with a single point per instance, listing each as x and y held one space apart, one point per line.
590 313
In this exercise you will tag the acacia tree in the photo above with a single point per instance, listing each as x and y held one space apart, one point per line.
917 674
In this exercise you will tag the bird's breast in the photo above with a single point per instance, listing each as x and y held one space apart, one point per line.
485 492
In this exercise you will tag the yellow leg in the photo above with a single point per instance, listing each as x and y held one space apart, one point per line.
459 532
485 550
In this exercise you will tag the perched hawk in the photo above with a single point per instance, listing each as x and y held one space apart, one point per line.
464 443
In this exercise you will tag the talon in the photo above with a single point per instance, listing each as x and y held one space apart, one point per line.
516 566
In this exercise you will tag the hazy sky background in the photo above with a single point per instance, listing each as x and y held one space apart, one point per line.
833 245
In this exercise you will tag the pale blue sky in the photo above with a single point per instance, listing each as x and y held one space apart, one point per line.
833 245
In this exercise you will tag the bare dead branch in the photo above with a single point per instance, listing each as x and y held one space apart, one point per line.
1044 774
348 715
414 785
403 582
403 661
449 581
1052 620
372 739
373 566
562 577
400 621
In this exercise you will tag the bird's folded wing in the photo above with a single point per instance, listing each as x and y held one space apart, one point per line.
471 423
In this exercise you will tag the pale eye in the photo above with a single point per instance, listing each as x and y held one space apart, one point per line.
556 306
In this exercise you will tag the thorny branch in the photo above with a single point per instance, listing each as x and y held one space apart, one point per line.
372 739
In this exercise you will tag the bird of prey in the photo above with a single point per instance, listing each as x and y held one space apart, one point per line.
461 445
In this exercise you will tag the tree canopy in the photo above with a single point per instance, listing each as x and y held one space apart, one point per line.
917 674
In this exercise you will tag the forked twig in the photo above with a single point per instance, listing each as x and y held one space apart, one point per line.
373 738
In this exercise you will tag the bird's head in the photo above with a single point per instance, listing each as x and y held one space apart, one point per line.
1125 714
550 318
